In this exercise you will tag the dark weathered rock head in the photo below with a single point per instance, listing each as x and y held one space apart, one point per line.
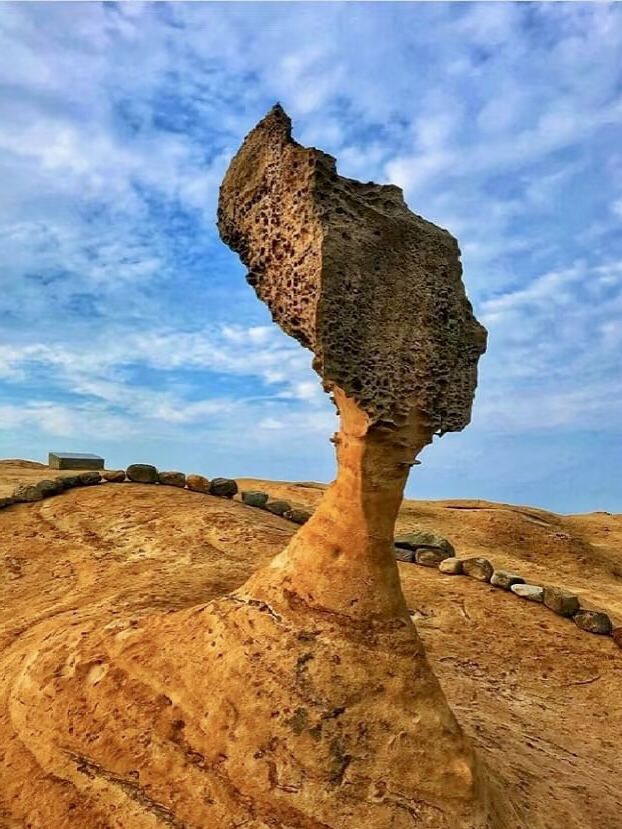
346 268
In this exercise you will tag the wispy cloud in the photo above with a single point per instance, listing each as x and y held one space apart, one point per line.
122 315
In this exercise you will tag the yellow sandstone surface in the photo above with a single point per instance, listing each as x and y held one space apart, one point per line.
537 698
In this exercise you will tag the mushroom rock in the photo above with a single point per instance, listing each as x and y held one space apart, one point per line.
375 292
304 699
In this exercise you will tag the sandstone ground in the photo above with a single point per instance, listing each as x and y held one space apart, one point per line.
540 698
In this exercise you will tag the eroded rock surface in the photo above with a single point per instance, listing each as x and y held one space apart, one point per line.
198 483
142 473
372 289
561 601
593 621
531 592
451 566
199 548
114 476
254 498
477 568
424 540
223 487
505 580
172 479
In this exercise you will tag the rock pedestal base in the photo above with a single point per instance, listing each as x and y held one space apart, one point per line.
236 714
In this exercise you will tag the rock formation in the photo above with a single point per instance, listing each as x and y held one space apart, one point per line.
376 293
302 700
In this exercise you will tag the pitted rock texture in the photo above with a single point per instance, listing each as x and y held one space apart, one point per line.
70 481
372 289
298 516
89 478
477 568
27 492
430 558
48 487
278 507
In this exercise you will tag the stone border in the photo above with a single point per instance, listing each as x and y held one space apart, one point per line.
560 601
147 474
424 549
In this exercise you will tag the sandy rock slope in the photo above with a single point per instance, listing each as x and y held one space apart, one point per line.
539 698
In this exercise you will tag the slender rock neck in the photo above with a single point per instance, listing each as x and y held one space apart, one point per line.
342 559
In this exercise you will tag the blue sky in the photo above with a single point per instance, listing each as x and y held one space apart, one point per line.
126 326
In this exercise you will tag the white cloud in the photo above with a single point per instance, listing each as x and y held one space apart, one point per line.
57 420
501 121
100 373
557 345
271 423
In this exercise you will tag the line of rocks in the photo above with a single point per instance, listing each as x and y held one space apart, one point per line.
145 473
431 550
261 500
424 548
24 493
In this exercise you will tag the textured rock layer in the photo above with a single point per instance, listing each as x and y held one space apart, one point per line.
372 289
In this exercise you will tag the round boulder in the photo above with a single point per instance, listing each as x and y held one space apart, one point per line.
48 487
223 487
617 636
27 492
278 507
504 579
426 540
198 483
255 498
69 481
142 473
560 601
402 554
531 592
451 566
298 516
172 479
430 558
477 568
114 476
89 478
593 621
